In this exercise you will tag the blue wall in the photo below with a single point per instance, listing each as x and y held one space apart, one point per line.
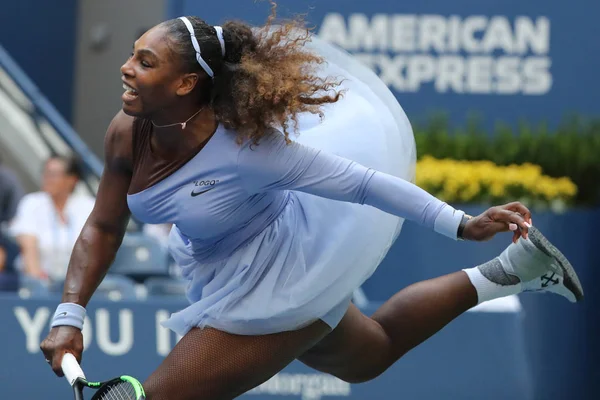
40 36
474 358
539 58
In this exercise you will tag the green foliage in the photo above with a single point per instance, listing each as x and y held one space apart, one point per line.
571 150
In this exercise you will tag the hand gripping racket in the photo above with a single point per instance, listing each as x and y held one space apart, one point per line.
120 388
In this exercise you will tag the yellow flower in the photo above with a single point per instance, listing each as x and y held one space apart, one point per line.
463 181
497 189
566 187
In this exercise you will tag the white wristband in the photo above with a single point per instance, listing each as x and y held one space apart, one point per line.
447 222
70 314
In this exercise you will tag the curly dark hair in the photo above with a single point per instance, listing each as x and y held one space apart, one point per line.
266 79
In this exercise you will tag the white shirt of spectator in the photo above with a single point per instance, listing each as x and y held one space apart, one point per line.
37 216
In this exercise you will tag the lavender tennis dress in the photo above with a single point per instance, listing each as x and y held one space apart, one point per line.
273 237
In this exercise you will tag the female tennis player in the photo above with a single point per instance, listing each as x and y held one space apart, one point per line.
274 232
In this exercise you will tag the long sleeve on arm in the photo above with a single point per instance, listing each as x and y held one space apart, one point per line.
275 165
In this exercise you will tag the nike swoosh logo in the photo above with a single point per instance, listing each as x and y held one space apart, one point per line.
62 314
194 194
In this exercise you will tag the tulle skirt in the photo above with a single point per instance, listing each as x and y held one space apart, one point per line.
307 263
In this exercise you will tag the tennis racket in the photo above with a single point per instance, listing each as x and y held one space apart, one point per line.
120 388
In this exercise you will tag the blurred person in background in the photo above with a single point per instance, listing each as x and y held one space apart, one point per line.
11 192
48 222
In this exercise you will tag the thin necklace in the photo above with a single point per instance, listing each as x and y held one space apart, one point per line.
183 124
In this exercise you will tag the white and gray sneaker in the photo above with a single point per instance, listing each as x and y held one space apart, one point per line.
538 266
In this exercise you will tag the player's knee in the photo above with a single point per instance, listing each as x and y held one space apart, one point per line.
361 375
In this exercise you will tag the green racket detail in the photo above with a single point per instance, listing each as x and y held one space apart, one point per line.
121 388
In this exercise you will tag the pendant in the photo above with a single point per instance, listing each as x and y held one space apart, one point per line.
183 124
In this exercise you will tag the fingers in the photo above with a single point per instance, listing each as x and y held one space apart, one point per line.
61 340
56 363
519 208
516 236
51 357
516 233
512 219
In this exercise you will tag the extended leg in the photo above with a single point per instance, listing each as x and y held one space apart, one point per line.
211 364
361 348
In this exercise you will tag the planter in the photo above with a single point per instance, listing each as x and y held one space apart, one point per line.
562 339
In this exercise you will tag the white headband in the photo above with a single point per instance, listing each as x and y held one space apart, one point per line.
221 40
196 45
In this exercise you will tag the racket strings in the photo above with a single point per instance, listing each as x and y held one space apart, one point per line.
120 391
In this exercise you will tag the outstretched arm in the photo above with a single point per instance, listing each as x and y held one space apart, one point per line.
275 165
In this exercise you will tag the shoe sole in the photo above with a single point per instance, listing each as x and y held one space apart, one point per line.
570 278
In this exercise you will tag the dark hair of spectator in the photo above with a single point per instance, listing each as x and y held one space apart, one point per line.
72 165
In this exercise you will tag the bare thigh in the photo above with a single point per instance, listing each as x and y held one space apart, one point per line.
357 350
211 364
361 348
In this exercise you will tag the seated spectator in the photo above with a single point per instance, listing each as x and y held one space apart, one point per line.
48 222
11 192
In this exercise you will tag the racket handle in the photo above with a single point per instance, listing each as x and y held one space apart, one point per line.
71 368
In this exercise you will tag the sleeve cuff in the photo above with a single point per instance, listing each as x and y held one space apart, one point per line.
447 222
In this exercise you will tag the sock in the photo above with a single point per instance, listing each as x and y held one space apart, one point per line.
491 281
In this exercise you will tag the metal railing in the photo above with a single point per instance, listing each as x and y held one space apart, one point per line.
33 125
